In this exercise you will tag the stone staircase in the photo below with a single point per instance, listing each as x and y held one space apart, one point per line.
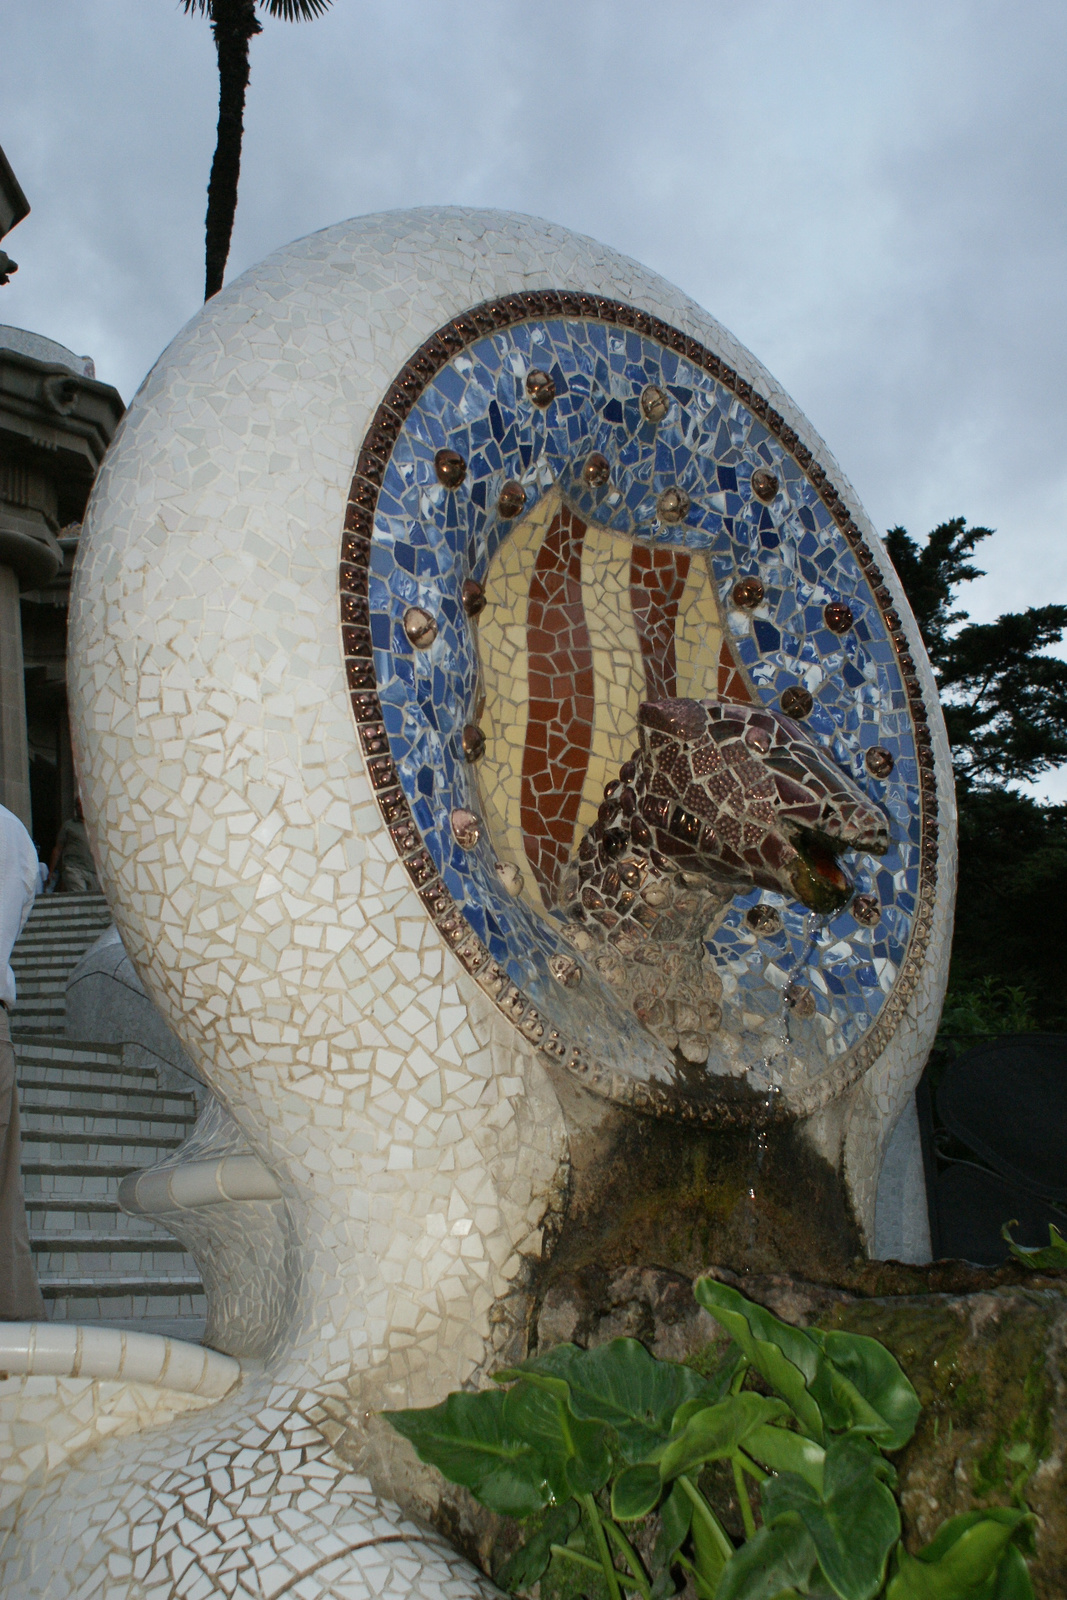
58 931
91 1113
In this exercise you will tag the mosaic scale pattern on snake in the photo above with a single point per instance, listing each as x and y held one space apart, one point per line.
718 798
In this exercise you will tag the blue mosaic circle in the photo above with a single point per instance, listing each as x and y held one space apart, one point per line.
427 540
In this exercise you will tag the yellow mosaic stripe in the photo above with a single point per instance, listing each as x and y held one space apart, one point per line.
505 685
699 633
618 675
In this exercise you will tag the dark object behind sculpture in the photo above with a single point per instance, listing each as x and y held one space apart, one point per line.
995 1145
1005 1100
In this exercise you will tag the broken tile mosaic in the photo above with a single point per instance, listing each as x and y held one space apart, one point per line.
645 480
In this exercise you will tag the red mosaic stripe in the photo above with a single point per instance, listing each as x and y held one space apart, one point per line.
657 582
559 730
732 682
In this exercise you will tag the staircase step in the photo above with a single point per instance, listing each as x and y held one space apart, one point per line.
72 1081
68 1217
72 926
81 1243
62 1048
50 955
95 1099
180 1315
103 1127
49 1059
53 1286
40 1165
46 1205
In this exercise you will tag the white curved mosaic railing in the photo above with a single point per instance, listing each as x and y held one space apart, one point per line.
60 1350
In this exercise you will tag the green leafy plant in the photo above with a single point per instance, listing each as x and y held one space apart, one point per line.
986 1008
604 1456
1051 1257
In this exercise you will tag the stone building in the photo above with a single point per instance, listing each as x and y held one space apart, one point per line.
56 421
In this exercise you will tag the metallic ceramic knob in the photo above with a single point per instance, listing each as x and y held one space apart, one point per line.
655 403
565 970
748 593
473 742
420 627
800 1001
540 388
474 601
764 485
797 703
764 920
866 910
597 471
837 616
450 467
672 505
511 500
466 828
879 762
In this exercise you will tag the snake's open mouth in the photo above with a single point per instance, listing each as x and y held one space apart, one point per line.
819 881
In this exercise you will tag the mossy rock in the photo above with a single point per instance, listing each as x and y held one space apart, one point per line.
991 1372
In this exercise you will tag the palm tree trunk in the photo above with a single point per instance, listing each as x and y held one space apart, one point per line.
233 23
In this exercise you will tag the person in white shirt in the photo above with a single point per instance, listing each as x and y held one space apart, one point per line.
20 1295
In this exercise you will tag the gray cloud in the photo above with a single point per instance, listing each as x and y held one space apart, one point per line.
868 192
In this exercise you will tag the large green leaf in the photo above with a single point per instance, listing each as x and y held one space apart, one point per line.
853 1524
784 1356
964 1558
620 1384
1012 1581
753 1322
551 1369
776 1562
780 1450
712 1547
868 1382
635 1492
675 1516
721 1380
717 1431
1048 1257
576 1454
524 1568
468 1439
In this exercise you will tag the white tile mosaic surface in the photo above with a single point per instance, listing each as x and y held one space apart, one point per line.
250 1505
413 1131
46 1422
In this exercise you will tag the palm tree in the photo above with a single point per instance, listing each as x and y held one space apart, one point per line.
234 24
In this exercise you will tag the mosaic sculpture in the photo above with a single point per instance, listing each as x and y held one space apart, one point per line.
393 544
717 799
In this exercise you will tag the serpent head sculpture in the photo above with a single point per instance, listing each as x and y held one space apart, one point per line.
718 797
392 544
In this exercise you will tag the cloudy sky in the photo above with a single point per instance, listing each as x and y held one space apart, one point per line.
869 193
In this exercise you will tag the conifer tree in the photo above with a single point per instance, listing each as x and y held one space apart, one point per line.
1005 705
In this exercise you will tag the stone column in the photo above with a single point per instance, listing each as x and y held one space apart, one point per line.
29 555
55 424
14 752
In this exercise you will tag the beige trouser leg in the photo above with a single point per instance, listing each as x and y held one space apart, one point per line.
20 1298
78 880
